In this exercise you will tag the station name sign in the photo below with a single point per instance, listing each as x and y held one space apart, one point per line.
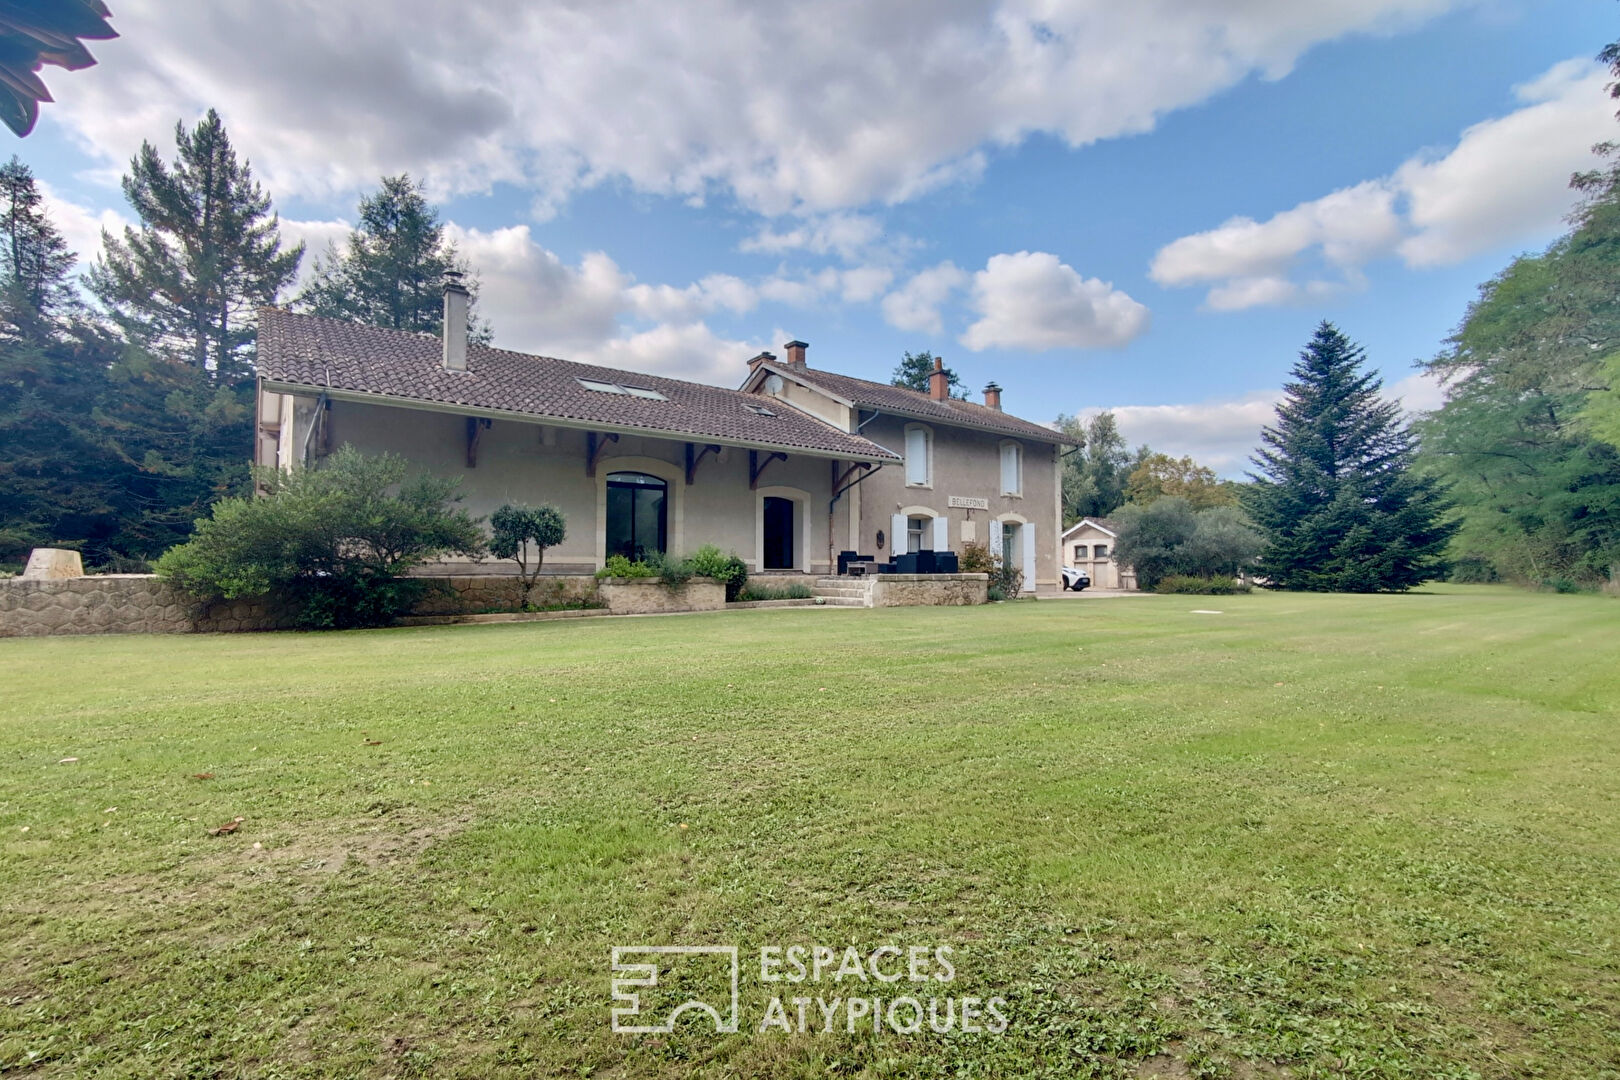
965 503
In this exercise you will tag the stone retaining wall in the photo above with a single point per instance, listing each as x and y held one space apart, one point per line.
143 604
929 590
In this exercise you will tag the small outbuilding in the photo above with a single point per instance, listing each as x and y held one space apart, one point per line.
1089 545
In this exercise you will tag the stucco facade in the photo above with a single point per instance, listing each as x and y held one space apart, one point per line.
525 462
1089 545
964 464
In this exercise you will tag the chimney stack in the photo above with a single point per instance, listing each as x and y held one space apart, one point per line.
762 358
992 397
795 352
939 384
456 299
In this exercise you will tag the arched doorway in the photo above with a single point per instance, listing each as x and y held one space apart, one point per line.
778 533
637 514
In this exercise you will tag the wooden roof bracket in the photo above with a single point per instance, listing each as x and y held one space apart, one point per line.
595 443
756 466
695 457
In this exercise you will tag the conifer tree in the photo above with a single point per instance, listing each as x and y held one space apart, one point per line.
1336 495
390 271
913 370
34 257
207 254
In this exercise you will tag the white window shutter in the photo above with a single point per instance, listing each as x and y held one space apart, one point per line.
1009 468
1028 533
942 533
996 530
916 456
897 534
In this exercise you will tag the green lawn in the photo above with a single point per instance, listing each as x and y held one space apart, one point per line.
1307 836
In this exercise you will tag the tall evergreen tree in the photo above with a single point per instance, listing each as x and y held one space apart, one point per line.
391 270
207 254
1336 495
912 373
34 257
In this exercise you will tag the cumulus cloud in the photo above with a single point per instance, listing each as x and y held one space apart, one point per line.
872 103
915 305
1506 181
1219 433
1031 300
844 235
1223 432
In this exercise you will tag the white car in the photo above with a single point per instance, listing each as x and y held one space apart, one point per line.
1075 579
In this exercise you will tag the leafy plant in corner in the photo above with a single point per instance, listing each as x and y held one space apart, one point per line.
515 528
620 566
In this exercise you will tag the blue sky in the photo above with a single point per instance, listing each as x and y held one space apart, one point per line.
1144 210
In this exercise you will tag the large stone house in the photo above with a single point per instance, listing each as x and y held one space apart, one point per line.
794 467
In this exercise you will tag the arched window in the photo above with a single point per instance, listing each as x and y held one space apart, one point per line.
637 514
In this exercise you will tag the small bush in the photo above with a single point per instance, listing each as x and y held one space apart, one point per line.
1008 576
124 564
795 591
671 570
975 559
1561 585
725 567
620 566
995 594
1200 586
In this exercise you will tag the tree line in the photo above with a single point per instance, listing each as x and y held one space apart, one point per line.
126 406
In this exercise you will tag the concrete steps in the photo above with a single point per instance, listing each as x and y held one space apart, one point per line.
843 591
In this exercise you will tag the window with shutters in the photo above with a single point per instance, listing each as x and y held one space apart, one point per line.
919 456
1012 469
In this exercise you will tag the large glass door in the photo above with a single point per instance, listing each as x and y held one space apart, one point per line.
637 514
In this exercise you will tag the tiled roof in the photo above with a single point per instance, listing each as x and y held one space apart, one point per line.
1106 524
330 354
899 399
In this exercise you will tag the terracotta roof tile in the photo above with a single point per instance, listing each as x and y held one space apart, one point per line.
321 353
907 402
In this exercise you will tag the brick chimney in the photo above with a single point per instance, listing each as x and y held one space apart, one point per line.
992 397
795 352
456 299
762 358
939 384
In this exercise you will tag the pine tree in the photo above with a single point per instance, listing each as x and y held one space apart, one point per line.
34 258
391 270
207 254
1336 494
912 373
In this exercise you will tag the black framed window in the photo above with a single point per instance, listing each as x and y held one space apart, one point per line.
637 514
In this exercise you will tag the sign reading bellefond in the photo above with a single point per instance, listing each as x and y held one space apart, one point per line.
805 989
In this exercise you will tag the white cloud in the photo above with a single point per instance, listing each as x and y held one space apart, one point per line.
1508 178
1220 433
690 351
1030 300
915 305
1506 181
317 237
1418 392
844 235
811 108
1223 432
80 226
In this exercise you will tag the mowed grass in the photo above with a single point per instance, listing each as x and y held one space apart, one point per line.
1307 836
